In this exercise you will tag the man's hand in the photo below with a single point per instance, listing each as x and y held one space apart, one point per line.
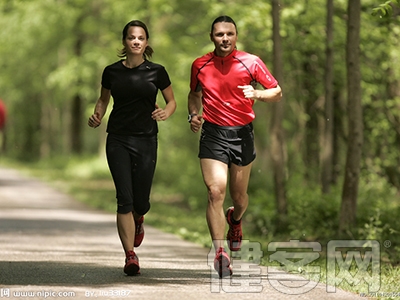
196 122
248 91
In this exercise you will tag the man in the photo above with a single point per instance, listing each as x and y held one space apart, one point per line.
222 85
2 125
2 115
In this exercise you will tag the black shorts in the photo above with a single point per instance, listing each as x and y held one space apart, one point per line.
132 161
228 144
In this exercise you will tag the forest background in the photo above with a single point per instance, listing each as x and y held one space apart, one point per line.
336 62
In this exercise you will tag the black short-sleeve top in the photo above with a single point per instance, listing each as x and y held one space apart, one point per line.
134 92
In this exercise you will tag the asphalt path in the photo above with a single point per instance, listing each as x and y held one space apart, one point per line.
52 246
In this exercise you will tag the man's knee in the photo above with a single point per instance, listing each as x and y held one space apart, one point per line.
240 199
216 193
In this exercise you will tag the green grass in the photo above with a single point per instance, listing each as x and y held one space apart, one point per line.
89 181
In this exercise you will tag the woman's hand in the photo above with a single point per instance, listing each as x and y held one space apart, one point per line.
159 114
94 120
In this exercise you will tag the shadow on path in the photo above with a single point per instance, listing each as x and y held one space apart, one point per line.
70 274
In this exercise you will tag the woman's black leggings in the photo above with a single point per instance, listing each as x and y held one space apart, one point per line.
132 162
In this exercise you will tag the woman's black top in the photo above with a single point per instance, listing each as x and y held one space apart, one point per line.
134 92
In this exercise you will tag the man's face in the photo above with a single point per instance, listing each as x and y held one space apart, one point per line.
224 37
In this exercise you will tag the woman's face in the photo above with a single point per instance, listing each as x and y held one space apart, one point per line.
224 37
135 42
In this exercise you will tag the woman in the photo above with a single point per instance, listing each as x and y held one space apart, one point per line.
131 146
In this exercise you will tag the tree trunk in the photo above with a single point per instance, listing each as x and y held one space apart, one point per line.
392 171
348 211
277 140
327 145
76 124
77 106
339 135
311 145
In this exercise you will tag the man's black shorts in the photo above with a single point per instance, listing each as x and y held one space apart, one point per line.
229 144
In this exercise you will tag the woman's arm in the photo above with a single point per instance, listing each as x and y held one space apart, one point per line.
160 114
100 108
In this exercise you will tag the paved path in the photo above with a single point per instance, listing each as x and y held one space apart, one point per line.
54 247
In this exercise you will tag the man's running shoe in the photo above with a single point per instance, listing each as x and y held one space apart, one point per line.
234 235
131 264
139 232
222 263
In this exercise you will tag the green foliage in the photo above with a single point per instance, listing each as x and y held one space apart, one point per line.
385 9
39 107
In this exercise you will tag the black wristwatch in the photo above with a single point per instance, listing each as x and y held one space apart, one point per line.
190 117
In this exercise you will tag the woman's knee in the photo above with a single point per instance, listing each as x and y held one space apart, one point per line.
124 208
142 208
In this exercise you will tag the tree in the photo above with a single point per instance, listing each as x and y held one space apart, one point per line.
348 210
327 145
277 138
76 103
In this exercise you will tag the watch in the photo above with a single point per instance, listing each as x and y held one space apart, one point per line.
190 117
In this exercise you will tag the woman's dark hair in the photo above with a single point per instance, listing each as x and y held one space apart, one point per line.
226 19
148 52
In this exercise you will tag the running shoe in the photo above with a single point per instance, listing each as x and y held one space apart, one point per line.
222 263
131 264
234 235
139 232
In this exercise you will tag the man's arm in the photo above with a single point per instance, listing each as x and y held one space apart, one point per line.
268 95
194 107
